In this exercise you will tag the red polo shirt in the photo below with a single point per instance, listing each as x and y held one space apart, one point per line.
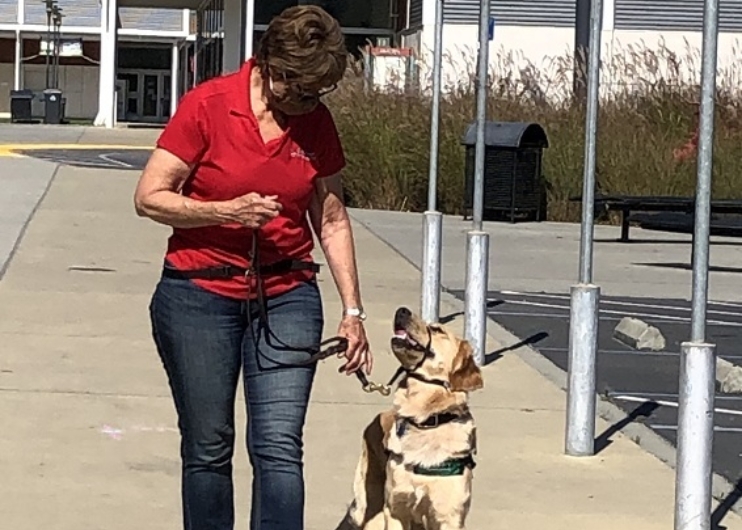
215 129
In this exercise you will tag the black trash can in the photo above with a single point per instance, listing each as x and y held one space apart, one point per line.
20 106
514 187
53 106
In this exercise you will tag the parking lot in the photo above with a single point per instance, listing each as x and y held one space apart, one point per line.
132 159
643 384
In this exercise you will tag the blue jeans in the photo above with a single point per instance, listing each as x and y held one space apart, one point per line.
204 340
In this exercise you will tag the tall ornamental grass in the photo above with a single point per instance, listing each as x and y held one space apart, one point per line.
648 115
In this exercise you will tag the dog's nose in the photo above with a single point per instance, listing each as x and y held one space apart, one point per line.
402 317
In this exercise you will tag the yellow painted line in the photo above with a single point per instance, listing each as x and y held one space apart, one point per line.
70 147
6 153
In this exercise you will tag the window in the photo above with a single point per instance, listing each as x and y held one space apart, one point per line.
209 36
358 14
350 13
265 10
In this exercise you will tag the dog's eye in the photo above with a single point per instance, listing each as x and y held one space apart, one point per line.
436 329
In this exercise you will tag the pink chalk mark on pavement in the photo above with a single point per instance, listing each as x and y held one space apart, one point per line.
112 432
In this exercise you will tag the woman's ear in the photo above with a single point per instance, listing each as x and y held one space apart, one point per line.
466 375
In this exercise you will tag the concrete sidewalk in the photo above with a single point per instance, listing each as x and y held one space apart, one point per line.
89 438
30 135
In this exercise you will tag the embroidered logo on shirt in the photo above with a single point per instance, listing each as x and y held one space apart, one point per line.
298 152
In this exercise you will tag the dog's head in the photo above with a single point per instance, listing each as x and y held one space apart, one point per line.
434 352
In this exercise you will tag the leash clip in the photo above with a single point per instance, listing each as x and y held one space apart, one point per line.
370 387
384 390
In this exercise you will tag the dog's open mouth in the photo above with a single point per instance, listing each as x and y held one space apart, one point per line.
403 339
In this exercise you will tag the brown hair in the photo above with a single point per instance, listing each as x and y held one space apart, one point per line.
304 45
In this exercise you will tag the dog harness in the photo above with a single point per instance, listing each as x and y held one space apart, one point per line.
448 468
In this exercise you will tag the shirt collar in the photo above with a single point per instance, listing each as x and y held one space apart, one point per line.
241 97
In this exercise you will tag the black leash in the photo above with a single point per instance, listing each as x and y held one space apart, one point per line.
327 348
332 346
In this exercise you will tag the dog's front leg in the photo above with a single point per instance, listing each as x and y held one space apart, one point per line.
392 521
453 522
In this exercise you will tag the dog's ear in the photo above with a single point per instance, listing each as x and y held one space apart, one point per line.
466 375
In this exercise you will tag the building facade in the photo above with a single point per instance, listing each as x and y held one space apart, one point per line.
131 60
369 21
541 34
147 41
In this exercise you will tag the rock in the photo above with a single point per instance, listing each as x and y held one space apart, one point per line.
728 377
639 335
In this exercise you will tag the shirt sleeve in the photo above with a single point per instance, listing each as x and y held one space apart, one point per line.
329 150
185 135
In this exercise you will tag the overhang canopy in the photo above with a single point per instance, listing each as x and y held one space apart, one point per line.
170 4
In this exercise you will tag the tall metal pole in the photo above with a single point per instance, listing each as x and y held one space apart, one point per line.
582 45
48 42
477 262
698 357
57 43
432 219
584 317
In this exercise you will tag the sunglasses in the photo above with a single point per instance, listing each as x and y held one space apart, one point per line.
299 92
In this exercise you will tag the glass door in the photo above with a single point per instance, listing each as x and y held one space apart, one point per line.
151 96
166 96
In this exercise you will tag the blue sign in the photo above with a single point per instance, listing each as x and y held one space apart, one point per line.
491 28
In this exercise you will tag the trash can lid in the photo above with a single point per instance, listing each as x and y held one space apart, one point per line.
508 134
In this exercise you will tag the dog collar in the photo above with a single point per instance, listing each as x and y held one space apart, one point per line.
431 422
439 382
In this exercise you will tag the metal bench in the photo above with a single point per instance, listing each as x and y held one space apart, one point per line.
630 206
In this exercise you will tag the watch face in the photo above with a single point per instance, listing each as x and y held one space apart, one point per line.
359 313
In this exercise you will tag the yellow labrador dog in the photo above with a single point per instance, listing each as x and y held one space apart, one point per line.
415 469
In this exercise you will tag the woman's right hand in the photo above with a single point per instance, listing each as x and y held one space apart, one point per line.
252 210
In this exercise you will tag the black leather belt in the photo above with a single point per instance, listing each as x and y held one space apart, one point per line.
231 271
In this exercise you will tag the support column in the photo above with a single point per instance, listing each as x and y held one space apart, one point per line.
18 62
107 86
174 78
248 31
239 28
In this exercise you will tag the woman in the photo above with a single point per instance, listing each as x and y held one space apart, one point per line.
248 162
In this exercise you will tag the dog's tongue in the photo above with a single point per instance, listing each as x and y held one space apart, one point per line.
400 333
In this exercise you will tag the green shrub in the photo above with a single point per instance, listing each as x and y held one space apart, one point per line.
386 134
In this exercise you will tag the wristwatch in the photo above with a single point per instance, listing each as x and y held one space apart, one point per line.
357 312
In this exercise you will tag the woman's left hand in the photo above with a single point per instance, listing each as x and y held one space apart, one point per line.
358 356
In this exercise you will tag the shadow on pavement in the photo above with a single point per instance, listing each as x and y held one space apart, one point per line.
687 267
453 316
529 341
644 410
725 507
